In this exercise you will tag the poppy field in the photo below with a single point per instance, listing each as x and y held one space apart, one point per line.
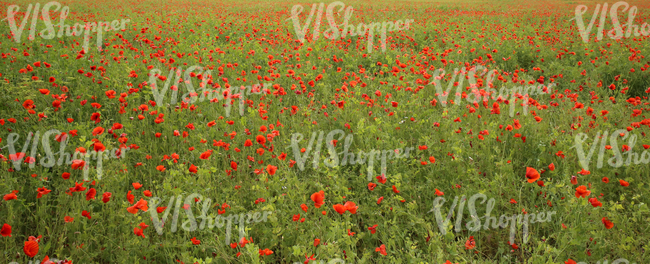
194 131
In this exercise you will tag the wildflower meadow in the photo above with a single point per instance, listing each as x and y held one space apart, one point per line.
195 131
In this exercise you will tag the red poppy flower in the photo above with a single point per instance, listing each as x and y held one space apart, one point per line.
318 198
98 131
42 191
106 197
28 104
85 214
193 169
574 180
624 183
351 207
17 157
130 197
381 249
77 164
339 208
6 230
271 169
117 126
78 187
470 243
265 251
61 137
31 247
373 229
95 117
608 224
260 139
206 154
532 175
140 205
595 203
514 245
91 194
316 242
582 191
11 196
138 232
381 178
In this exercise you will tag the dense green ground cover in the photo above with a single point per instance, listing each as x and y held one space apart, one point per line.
379 100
